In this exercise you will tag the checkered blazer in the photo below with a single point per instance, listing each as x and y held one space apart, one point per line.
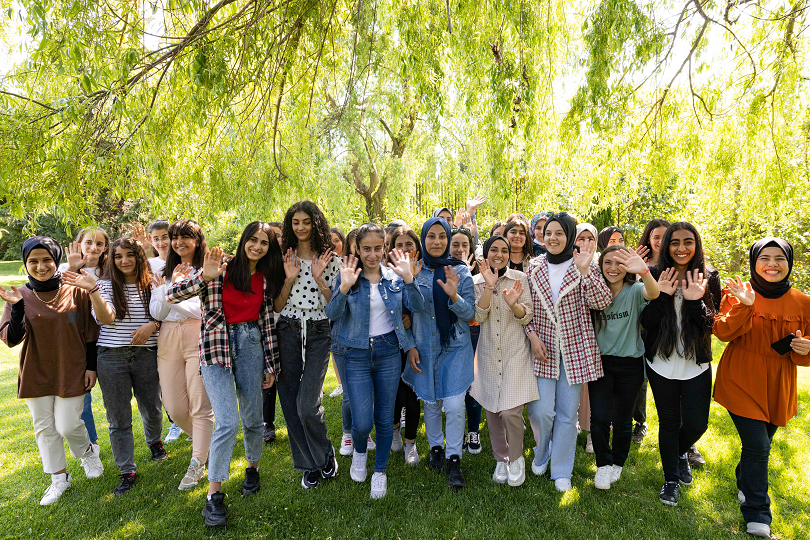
566 328
214 347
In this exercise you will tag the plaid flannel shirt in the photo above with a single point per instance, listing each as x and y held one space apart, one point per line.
566 328
214 347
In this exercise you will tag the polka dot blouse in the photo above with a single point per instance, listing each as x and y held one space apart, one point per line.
306 301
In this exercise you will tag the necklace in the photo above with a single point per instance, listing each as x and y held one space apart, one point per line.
52 300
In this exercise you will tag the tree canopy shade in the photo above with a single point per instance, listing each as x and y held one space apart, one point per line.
229 111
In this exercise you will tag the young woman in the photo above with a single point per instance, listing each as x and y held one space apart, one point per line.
755 383
158 235
446 214
269 392
461 241
88 251
305 337
405 240
565 283
536 226
57 361
338 240
504 382
178 359
127 353
517 232
368 303
238 351
609 236
618 334
586 239
678 350
444 371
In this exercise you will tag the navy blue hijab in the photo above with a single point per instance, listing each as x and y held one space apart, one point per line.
445 319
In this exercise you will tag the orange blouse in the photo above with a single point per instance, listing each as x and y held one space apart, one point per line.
753 380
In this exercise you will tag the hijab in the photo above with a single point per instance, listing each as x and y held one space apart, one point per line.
582 227
488 244
445 319
538 246
569 227
54 250
452 216
761 285
604 236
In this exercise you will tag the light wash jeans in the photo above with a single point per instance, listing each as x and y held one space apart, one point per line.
454 411
553 418
235 394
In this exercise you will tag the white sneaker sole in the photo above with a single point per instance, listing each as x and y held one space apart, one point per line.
517 482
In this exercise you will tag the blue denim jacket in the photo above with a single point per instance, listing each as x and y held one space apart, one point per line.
446 372
351 312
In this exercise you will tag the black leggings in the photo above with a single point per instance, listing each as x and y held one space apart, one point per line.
269 406
406 397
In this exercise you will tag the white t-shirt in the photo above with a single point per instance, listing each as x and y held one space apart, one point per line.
379 323
118 333
677 367
157 265
556 273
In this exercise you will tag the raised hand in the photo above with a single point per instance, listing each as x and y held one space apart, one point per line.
583 258
157 281
694 285
511 295
213 267
667 281
10 296
349 273
139 235
471 261
75 259
741 291
463 219
319 264
474 203
182 272
401 264
82 279
631 262
292 265
643 251
416 265
450 283
489 275
800 345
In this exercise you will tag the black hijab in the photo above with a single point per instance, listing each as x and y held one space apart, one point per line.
55 250
569 227
488 244
604 236
762 286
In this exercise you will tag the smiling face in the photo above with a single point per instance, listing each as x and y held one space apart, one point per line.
517 237
498 254
185 247
436 240
616 238
538 229
302 226
682 247
460 246
126 261
611 267
772 264
159 238
257 245
40 264
555 238
372 249
405 243
656 236
585 240
93 245
338 244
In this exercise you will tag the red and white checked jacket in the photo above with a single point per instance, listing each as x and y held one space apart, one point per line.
214 347
566 329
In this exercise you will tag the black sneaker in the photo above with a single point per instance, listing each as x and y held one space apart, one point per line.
695 457
455 478
639 431
310 479
684 471
436 460
251 484
214 510
331 468
125 484
158 452
269 434
669 493
473 442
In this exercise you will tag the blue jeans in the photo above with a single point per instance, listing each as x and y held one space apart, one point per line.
87 416
345 408
372 380
236 393
553 418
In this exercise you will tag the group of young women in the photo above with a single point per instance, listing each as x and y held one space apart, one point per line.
526 324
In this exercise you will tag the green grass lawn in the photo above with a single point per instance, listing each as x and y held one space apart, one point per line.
418 504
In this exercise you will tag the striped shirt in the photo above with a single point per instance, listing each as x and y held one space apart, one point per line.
119 333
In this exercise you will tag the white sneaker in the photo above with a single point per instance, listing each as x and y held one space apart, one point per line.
616 474
411 455
396 443
370 444
562 484
602 477
93 468
338 391
59 484
379 485
759 529
517 472
589 444
346 446
358 471
539 470
194 474
174 433
501 473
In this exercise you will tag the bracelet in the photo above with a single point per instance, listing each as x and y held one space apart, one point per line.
94 289
489 288
645 273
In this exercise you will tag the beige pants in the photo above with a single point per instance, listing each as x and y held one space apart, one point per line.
506 433
584 409
181 384
55 418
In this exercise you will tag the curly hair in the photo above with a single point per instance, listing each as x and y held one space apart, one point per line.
321 237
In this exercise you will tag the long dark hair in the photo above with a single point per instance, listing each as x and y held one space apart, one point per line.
321 238
407 231
596 314
648 230
693 333
102 259
143 276
270 265
516 220
185 227
347 245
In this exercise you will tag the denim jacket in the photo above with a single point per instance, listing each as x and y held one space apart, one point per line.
351 312
446 372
